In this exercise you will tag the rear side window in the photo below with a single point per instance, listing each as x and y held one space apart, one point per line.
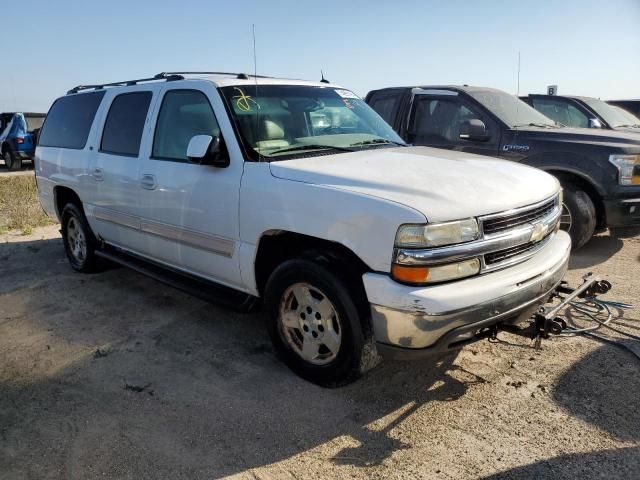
183 115
125 122
386 106
69 120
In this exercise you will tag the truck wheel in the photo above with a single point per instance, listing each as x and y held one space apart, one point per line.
578 215
315 325
79 242
12 162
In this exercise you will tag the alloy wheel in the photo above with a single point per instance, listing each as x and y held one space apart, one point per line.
310 324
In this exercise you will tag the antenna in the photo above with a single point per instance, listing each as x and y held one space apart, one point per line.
255 72
517 95
323 80
518 88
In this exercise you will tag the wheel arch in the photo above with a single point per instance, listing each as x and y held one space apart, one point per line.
63 195
584 182
277 246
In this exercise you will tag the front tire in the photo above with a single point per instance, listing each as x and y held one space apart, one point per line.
315 326
578 215
79 241
12 161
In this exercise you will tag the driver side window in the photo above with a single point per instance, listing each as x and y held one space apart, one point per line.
438 121
183 115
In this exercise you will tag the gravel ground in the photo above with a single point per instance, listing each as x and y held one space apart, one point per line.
114 375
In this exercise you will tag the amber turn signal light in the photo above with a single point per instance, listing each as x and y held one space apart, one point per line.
406 274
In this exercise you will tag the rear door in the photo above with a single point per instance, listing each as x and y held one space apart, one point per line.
386 103
436 117
115 204
190 211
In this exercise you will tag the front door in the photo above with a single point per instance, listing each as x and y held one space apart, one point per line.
436 118
189 212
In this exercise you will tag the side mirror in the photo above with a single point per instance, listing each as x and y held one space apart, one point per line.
595 123
207 150
474 130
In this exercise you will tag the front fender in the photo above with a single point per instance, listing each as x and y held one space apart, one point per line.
364 224
594 172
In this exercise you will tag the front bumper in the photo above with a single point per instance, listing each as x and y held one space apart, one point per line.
425 320
24 154
623 212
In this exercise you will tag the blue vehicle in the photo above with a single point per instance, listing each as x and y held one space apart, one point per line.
18 137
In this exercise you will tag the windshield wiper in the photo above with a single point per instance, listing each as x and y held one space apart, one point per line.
378 141
532 124
632 125
310 146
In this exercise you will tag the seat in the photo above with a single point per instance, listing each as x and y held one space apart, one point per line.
271 135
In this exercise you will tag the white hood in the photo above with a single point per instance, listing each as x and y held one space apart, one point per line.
441 184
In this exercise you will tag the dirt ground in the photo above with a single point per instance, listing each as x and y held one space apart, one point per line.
114 375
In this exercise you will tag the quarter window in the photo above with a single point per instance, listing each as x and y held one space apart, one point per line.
125 123
183 115
69 120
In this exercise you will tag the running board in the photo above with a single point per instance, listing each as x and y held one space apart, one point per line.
198 287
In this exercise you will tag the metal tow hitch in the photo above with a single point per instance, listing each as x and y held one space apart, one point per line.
546 321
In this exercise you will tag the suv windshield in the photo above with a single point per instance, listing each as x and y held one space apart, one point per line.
298 120
510 109
612 115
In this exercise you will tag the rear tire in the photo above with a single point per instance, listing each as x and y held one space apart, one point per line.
578 215
12 161
315 326
79 241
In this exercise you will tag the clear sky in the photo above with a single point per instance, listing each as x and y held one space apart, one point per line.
586 47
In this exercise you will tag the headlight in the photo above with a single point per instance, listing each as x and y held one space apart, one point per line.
628 168
438 273
437 234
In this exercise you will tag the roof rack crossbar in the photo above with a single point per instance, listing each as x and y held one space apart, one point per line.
161 76
238 75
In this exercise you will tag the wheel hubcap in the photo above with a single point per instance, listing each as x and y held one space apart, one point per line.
565 218
309 323
76 240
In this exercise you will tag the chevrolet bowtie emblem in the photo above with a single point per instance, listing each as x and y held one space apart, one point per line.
538 232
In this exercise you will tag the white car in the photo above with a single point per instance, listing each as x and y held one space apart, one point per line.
237 187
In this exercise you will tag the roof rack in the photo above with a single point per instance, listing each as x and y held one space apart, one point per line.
240 76
160 76
166 76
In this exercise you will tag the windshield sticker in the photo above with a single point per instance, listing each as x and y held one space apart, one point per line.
347 103
244 102
346 94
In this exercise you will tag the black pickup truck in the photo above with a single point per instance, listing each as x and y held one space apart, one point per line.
584 112
599 170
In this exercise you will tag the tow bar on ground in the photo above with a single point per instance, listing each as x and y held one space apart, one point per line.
559 318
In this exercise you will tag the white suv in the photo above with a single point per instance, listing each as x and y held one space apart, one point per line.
239 187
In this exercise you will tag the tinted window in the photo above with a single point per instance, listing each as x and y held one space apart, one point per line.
385 106
561 111
69 120
123 129
439 121
183 115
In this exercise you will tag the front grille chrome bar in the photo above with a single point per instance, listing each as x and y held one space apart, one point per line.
532 233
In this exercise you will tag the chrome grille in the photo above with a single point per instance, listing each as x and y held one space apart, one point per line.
507 253
502 222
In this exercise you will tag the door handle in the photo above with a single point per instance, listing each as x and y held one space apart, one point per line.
97 174
148 182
